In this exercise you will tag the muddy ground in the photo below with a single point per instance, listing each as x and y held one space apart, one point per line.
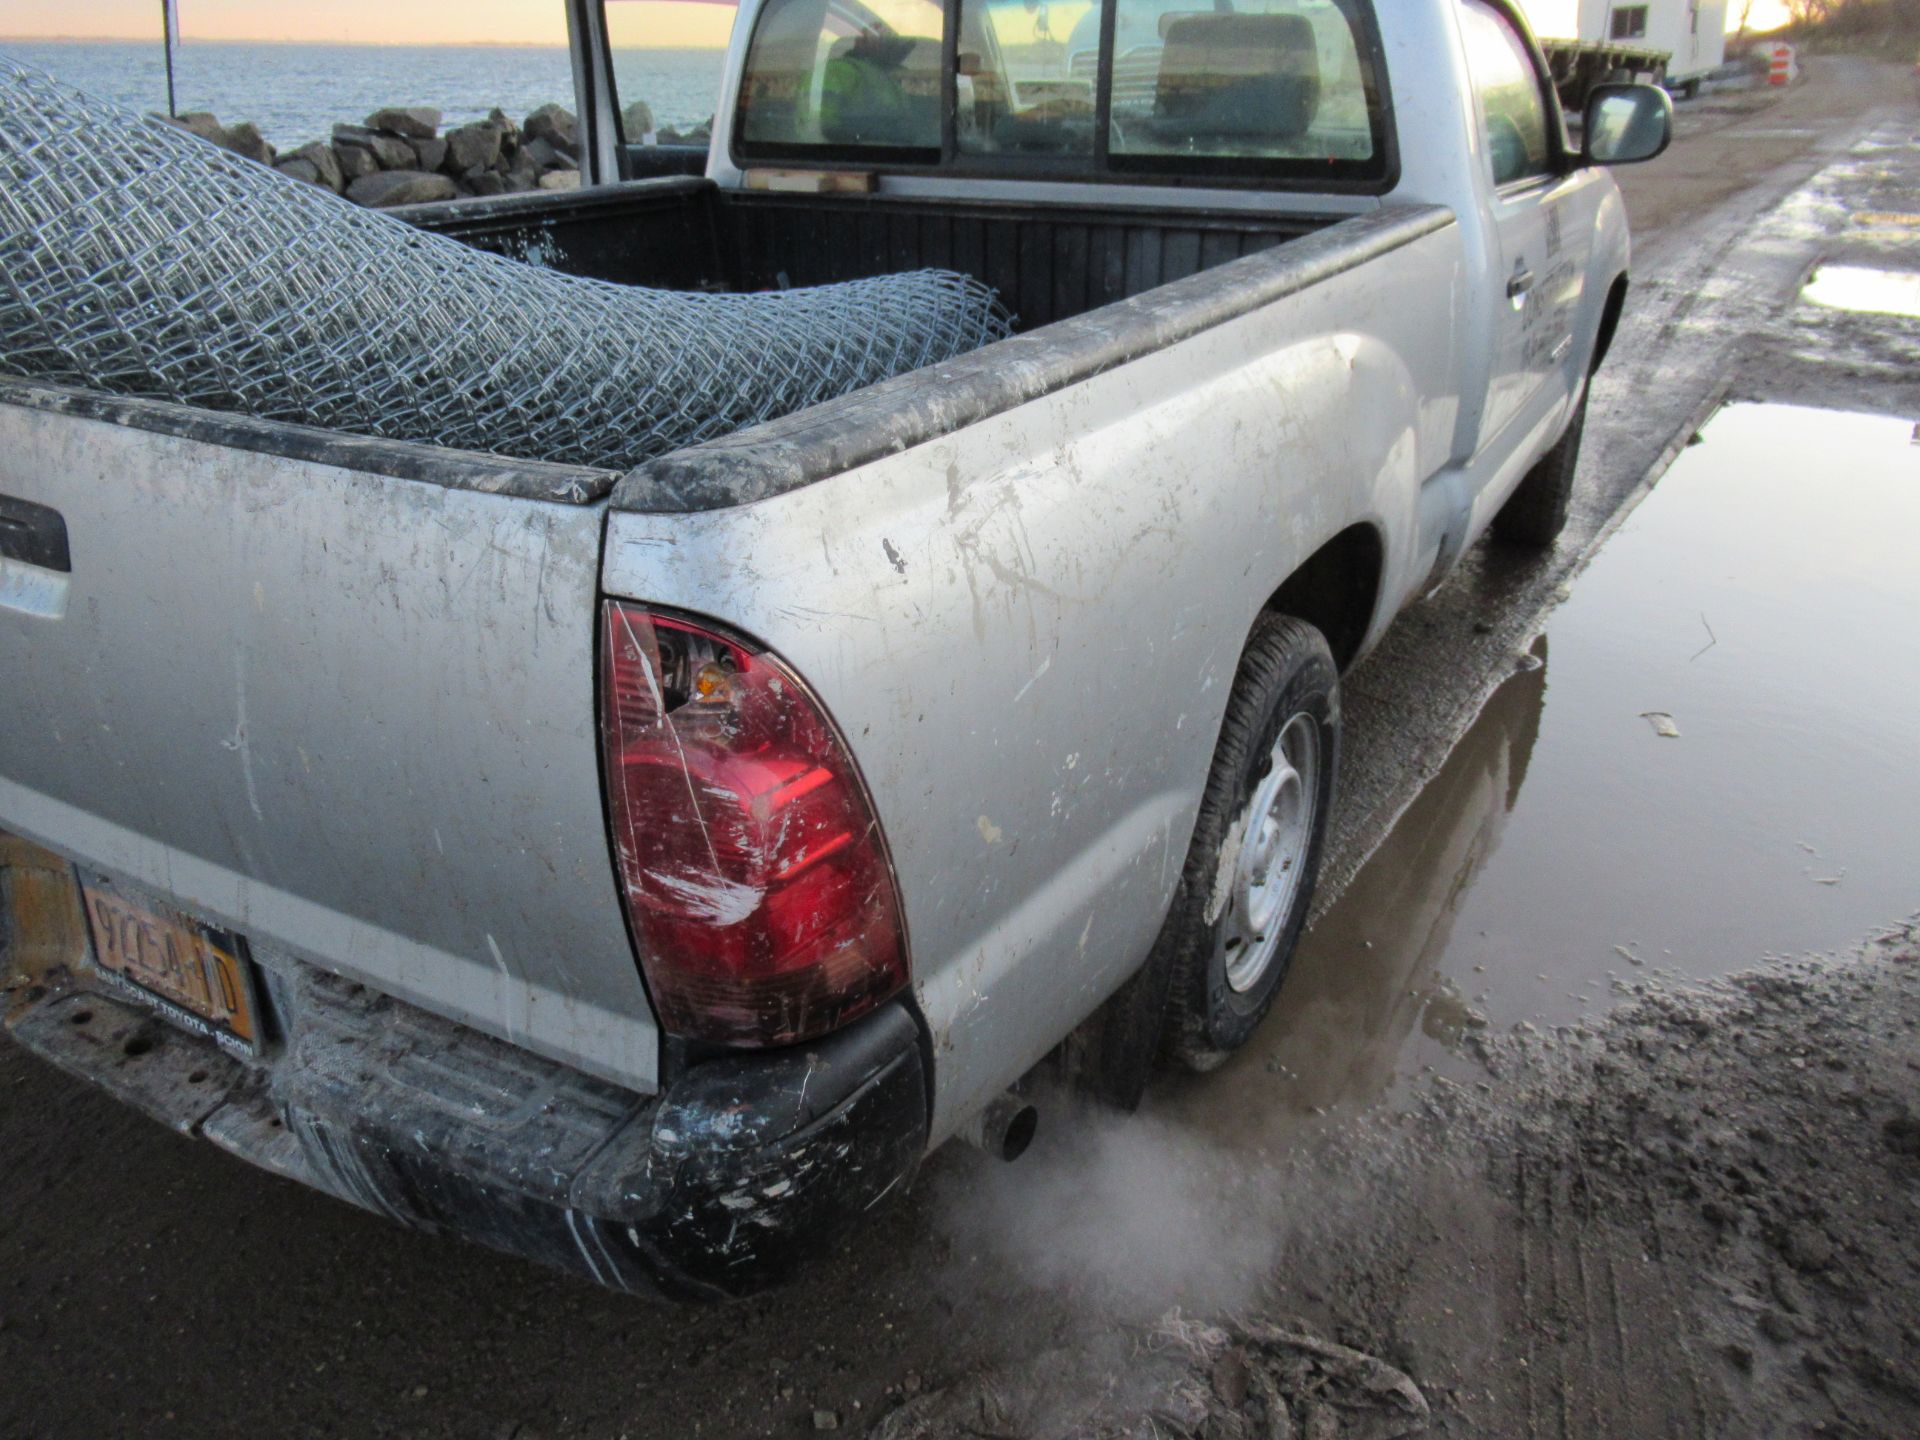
1693 1216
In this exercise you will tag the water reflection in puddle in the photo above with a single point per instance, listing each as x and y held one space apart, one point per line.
1862 287
1766 596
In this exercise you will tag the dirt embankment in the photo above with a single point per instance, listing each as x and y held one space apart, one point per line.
1695 1217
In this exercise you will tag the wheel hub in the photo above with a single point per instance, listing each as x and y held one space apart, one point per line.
1273 853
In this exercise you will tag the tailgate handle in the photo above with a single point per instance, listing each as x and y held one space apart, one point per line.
33 534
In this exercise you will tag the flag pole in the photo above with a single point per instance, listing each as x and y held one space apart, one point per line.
170 27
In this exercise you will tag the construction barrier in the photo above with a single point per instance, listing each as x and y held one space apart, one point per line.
1781 69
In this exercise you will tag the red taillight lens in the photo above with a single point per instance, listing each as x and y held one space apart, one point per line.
749 859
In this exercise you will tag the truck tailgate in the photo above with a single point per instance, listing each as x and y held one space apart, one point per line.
335 694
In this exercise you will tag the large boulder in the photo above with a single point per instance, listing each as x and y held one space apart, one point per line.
522 173
636 122
560 180
554 124
471 145
432 154
202 123
542 155
415 122
400 187
299 169
246 139
389 151
326 164
484 182
353 161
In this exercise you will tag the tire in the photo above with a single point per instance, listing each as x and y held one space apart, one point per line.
1536 512
1230 947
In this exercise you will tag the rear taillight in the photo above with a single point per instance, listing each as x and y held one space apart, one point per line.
751 864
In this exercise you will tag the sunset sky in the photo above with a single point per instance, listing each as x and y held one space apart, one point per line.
374 22
523 22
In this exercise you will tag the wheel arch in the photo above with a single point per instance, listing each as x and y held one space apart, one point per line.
1609 321
1337 590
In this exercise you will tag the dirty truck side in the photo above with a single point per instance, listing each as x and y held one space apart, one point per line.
642 872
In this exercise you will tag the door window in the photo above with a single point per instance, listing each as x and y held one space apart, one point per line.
1513 106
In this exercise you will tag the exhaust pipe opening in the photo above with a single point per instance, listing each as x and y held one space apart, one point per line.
1004 1129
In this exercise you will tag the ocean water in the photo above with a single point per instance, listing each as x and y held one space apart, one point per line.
297 93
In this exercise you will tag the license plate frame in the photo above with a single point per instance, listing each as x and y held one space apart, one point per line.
197 975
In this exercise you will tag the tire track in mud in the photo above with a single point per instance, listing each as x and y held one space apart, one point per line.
1585 1375
1579 1253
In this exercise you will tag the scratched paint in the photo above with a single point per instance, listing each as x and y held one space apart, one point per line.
271 729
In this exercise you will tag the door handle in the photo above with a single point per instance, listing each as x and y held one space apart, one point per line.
33 534
1519 285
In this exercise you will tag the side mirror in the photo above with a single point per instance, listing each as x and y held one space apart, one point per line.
1626 123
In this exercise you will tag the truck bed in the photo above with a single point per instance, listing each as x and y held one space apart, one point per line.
1048 262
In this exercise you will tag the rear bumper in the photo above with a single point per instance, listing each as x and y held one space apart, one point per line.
716 1188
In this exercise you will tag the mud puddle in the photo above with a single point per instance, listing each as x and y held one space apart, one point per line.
1710 754
1865 288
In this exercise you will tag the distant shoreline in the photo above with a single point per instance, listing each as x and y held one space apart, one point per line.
191 44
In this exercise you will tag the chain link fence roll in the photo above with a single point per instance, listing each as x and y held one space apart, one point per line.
140 260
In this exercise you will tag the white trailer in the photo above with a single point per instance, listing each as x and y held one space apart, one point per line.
1692 32
1632 36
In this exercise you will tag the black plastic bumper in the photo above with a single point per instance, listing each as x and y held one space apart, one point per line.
717 1188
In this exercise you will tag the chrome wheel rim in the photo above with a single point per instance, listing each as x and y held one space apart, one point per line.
1272 854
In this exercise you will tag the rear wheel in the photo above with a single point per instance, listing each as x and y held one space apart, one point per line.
1250 870
1536 512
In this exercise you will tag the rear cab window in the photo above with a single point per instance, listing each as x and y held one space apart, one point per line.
846 78
1271 90
1273 80
1027 78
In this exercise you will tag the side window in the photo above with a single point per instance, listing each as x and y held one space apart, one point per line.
1512 105
1259 79
668 60
845 76
1629 22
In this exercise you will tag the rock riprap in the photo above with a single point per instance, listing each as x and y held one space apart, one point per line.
398 155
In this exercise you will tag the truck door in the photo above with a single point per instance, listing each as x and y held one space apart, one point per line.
1534 310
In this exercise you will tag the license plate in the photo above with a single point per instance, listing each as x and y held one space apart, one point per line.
198 976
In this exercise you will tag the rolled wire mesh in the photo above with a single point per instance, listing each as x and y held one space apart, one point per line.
138 259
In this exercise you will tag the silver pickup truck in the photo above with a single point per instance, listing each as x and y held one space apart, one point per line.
643 872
